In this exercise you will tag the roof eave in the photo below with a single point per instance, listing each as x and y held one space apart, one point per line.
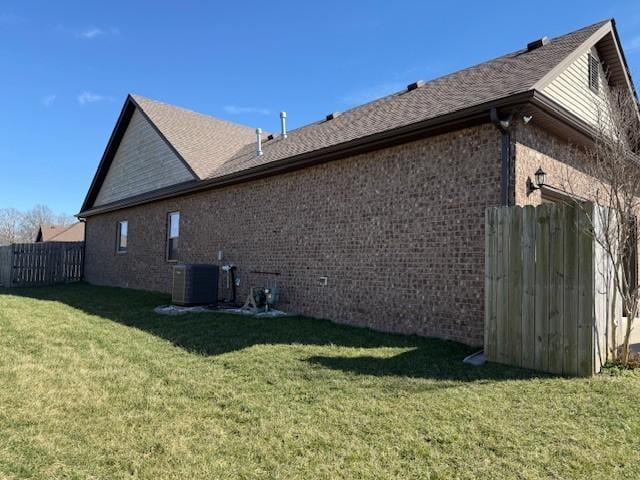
557 111
116 135
571 57
472 115
623 57
128 109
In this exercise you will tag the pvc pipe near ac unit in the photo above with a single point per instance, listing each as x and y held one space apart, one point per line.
475 359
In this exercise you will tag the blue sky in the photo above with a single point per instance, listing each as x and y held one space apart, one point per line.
67 66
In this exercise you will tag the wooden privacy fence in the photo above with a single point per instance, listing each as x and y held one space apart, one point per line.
31 264
547 288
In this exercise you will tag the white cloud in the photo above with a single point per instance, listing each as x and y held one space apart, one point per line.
49 99
86 98
235 110
91 33
364 95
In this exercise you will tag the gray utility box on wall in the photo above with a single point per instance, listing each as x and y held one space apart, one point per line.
195 284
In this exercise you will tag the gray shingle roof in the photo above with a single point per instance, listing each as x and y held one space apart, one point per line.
510 74
204 142
214 147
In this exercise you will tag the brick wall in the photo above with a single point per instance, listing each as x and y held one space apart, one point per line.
562 161
399 233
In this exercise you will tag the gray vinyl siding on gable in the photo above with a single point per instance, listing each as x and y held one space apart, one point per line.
571 89
142 163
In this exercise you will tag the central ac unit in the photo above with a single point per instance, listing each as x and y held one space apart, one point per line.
195 284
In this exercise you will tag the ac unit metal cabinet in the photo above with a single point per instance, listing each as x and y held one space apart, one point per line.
195 284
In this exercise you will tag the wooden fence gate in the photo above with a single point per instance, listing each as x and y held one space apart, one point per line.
547 289
31 264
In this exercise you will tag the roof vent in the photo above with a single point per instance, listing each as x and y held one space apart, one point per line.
283 124
414 85
541 42
332 115
259 139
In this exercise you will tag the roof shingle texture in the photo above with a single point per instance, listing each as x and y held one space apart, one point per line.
63 233
214 147
204 142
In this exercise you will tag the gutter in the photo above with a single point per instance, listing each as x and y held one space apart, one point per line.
504 126
460 119
557 111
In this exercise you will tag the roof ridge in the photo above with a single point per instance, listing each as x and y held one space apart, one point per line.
393 94
455 72
214 147
137 97
519 51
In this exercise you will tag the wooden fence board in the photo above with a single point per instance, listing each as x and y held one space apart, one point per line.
502 299
528 286
556 290
490 288
35 264
585 299
5 265
542 308
514 285
541 361
571 269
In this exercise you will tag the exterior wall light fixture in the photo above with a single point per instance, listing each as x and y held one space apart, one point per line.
540 177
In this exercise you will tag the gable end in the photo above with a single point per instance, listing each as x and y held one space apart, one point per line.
138 159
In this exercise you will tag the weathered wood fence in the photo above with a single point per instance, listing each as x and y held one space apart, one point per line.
31 264
547 289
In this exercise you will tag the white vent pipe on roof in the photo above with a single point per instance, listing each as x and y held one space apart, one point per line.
283 124
259 138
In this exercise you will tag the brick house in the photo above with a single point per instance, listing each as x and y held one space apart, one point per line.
372 217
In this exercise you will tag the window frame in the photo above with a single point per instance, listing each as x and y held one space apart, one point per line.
120 249
169 238
552 195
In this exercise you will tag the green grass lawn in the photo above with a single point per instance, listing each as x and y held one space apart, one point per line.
93 384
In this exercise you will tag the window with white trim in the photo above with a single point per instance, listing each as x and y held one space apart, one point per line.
122 236
173 235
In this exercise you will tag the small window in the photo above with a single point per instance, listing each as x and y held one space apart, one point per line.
594 73
122 236
173 234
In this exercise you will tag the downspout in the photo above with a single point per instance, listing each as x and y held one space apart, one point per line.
478 358
84 247
505 161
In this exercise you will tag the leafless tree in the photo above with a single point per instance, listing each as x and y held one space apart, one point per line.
38 216
613 161
10 225
17 226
